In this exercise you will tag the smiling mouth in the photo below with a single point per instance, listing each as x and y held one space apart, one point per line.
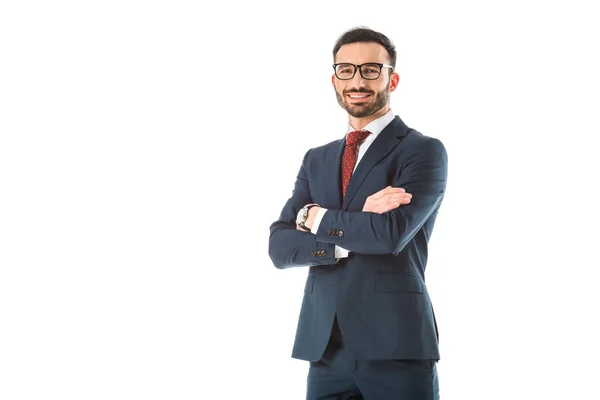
358 96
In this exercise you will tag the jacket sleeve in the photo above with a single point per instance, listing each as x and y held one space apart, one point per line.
289 247
424 176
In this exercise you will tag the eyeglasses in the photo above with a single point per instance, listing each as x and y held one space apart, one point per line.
370 71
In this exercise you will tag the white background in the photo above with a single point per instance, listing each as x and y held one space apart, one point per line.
146 147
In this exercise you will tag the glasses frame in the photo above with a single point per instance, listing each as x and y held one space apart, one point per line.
359 67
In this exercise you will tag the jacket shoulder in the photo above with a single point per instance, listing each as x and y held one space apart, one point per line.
418 139
320 152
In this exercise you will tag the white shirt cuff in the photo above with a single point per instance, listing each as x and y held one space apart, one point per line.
341 252
317 221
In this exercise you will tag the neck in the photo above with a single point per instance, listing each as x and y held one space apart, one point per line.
359 123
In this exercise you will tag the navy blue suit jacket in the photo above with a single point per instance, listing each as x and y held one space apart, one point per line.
378 292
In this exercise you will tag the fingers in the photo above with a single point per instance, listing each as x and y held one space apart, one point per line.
387 190
387 199
401 198
390 201
395 196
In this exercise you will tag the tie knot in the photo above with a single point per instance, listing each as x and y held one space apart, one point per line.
355 138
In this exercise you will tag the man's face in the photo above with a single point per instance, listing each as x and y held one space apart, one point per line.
361 97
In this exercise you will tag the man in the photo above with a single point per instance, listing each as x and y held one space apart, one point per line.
360 216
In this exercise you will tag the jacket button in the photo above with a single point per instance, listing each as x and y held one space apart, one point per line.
341 233
314 253
324 253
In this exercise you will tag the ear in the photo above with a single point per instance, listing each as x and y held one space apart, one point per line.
333 80
394 81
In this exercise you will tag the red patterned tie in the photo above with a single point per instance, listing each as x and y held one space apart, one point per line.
353 141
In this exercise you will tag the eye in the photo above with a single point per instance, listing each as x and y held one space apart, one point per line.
371 68
345 68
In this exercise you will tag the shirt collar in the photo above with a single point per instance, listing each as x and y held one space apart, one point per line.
376 126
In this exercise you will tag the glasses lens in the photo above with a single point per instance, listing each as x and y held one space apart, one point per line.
370 71
344 71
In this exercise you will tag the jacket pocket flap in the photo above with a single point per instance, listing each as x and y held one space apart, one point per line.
398 282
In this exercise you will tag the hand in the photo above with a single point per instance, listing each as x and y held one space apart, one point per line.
386 199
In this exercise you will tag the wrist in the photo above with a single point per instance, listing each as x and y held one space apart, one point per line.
306 217
312 214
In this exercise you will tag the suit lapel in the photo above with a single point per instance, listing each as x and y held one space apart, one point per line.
333 180
385 142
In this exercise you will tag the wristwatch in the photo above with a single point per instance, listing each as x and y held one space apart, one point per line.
303 216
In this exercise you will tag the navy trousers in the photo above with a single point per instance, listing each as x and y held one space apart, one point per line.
339 376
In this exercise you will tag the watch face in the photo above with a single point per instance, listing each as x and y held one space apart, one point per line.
301 216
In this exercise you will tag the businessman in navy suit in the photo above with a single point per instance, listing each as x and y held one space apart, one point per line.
360 217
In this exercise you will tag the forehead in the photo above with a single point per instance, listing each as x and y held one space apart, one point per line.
358 53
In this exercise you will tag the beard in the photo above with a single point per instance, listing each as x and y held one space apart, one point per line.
364 110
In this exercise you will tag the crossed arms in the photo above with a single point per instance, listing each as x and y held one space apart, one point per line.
382 227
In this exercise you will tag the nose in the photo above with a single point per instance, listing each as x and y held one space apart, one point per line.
357 80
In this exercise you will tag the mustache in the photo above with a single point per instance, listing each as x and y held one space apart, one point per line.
358 91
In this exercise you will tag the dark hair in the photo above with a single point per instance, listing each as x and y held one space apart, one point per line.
364 34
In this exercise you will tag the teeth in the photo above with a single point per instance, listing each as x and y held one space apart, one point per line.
354 96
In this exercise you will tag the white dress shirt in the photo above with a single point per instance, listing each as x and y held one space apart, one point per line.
375 127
